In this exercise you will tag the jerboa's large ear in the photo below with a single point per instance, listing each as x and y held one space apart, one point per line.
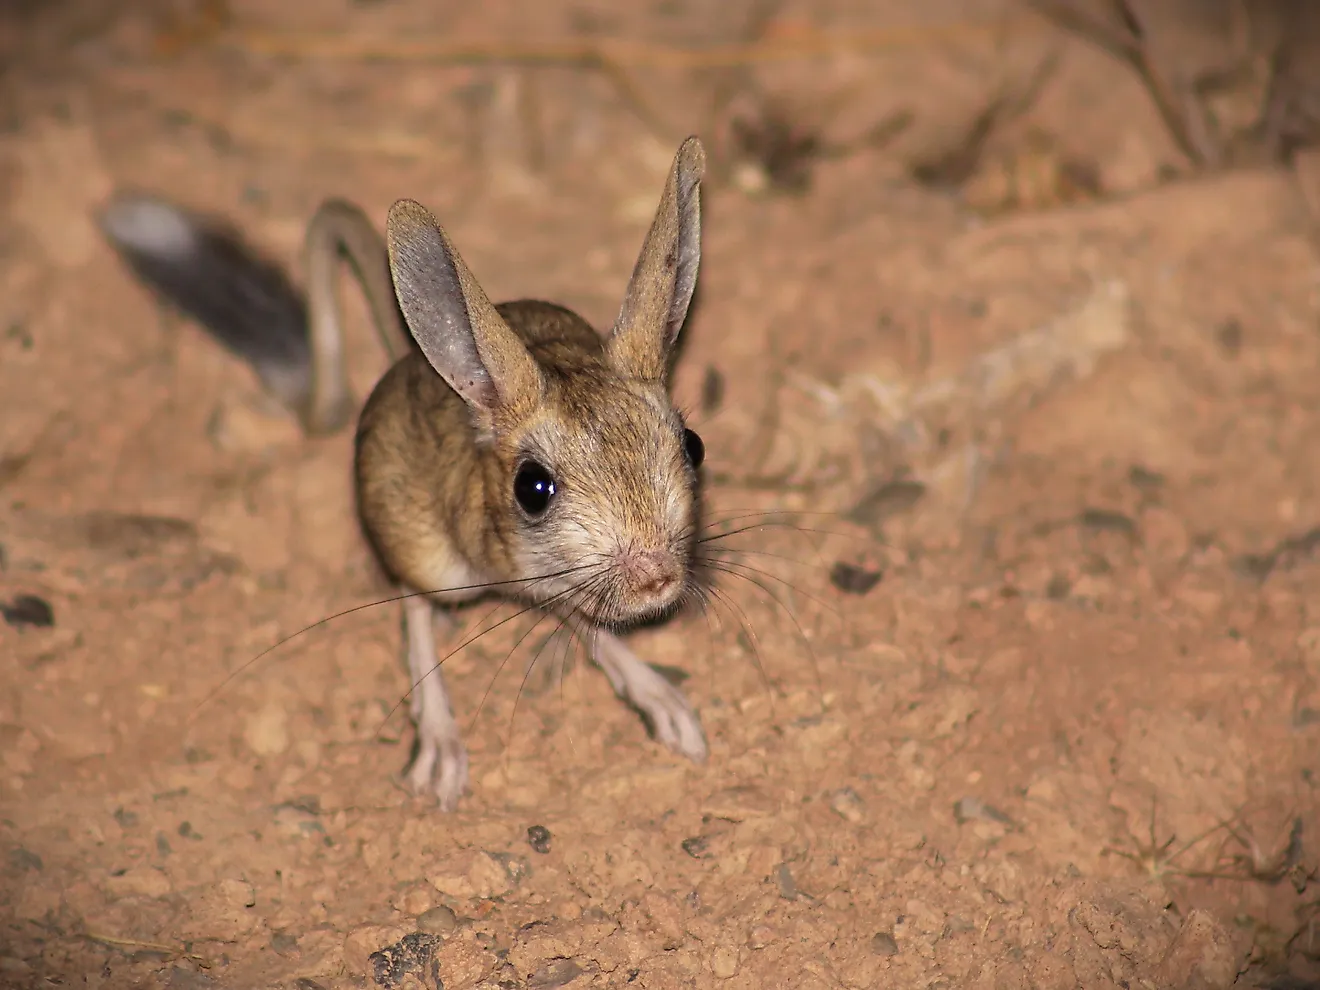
665 274
458 329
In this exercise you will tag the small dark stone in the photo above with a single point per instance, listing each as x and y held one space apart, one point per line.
186 831
163 844
884 944
1144 479
854 580
695 846
538 837
125 818
28 610
1058 588
1108 521
284 943
307 983
413 954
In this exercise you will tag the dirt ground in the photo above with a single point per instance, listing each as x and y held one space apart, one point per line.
1016 685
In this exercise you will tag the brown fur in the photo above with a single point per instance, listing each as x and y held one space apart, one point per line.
436 498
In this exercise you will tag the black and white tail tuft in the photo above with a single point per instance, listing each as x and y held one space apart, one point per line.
209 273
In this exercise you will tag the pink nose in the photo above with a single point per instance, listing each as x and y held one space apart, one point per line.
649 572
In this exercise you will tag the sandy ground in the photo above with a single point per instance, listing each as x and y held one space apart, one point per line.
1026 692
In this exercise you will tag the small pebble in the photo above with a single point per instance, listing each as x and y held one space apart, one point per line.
551 976
28 610
847 805
854 580
413 954
538 837
724 962
760 936
1144 478
1108 521
440 920
125 818
695 846
967 808
884 944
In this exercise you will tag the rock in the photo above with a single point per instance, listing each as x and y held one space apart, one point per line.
412 955
884 944
415 899
475 874
1200 957
847 805
364 941
724 962
554 974
538 837
439 920
28 610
